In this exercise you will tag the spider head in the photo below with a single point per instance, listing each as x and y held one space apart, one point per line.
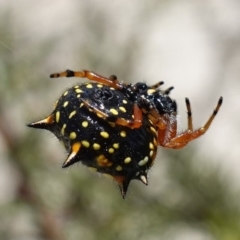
163 103
153 98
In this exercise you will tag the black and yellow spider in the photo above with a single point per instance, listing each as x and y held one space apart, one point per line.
115 128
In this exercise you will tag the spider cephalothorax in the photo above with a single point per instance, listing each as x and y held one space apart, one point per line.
115 128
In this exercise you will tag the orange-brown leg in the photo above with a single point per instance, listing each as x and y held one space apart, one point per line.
168 130
137 118
135 123
181 140
111 82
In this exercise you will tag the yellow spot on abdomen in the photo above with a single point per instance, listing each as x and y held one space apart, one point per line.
116 145
111 150
89 86
104 134
119 168
96 146
63 129
100 115
123 134
103 161
72 113
151 145
143 162
72 135
113 111
57 116
65 94
85 143
78 90
123 109
65 104
127 160
84 124
151 153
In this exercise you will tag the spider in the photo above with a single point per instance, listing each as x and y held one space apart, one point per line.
149 100
115 128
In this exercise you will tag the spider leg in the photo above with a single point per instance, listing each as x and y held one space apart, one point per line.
157 85
135 123
189 115
182 139
168 132
111 81
168 90
137 118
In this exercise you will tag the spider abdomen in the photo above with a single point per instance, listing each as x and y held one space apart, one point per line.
112 149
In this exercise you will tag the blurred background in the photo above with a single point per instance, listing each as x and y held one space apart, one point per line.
194 46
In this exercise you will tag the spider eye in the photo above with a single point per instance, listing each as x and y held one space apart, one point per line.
141 87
